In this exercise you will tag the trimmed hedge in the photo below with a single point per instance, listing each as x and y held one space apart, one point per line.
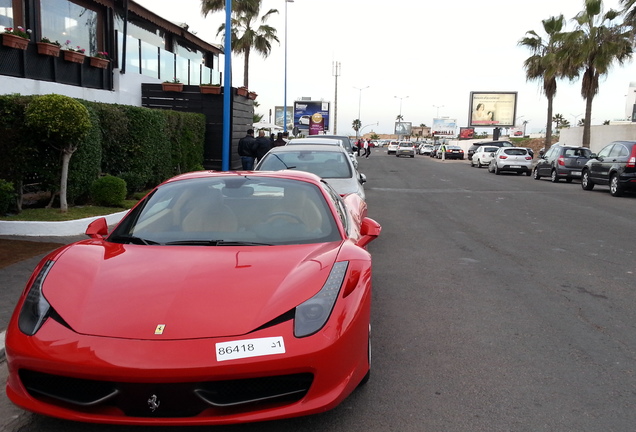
142 146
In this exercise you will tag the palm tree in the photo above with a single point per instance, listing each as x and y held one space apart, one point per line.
543 64
630 12
559 121
592 48
399 117
245 37
356 125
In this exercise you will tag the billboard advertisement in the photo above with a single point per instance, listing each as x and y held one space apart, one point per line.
304 110
278 117
466 133
492 109
444 127
403 128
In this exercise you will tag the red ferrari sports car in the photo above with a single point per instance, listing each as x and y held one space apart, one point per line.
222 297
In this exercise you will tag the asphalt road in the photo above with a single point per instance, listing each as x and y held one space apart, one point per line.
501 303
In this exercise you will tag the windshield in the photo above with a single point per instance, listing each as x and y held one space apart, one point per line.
325 164
221 211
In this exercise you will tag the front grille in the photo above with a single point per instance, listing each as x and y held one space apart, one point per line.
166 400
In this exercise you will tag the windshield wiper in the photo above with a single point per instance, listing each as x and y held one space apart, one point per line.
215 243
134 240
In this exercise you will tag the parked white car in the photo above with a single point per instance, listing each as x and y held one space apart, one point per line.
515 159
392 148
482 156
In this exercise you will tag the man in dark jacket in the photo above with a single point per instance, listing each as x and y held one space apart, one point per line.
247 150
263 144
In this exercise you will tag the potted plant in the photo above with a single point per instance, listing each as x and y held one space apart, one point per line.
47 47
174 85
100 60
207 88
16 37
73 54
242 91
252 95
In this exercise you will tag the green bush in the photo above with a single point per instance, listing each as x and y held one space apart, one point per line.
7 194
108 191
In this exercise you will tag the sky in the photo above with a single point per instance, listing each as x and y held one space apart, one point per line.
420 59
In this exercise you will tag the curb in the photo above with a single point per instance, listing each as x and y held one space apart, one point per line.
61 229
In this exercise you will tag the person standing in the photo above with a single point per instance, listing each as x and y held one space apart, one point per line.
367 150
443 150
246 147
262 145
279 140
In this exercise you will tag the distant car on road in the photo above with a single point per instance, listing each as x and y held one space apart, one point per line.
562 162
515 159
405 148
453 152
614 165
425 149
392 148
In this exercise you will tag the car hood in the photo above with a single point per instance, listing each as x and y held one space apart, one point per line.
127 291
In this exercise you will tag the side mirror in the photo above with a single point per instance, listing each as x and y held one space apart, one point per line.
362 178
369 231
593 156
98 229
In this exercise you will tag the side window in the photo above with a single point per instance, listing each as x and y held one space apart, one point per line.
605 151
550 153
619 150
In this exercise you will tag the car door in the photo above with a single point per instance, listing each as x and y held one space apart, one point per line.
544 164
599 167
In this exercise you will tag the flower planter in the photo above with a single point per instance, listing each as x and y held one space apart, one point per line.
210 89
99 62
252 95
74 56
241 91
172 87
48 49
13 41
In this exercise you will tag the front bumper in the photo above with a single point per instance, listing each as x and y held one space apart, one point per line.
60 373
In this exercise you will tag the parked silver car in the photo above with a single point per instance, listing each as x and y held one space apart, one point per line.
482 156
515 159
331 162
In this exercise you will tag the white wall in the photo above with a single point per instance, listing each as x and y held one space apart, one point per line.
127 88
600 135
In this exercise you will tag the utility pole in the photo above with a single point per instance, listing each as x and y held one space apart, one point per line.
336 73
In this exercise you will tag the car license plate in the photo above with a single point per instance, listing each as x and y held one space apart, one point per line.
515 166
576 173
245 348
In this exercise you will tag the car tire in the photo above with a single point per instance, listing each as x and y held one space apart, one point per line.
497 171
554 177
616 188
528 172
535 174
412 156
586 182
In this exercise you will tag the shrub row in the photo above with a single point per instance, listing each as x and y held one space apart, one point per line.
139 145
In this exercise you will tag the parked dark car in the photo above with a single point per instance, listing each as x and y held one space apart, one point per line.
562 162
614 165
472 148
433 152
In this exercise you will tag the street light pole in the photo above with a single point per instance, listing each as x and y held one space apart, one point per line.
400 116
285 102
359 105
438 107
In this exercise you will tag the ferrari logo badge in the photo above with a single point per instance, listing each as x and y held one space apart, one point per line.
159 329
153 403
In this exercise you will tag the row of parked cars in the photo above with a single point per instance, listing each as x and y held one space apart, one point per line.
614 165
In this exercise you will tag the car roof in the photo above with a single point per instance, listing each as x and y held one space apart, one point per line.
316 141
289 174
308 147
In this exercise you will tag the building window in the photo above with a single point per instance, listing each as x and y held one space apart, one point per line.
63 20
6 14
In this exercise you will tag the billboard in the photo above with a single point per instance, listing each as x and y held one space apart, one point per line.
466 133
278 117
403 128
492 109
444 127
304 110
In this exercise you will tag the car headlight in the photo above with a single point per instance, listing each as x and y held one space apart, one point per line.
35 309
312 315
